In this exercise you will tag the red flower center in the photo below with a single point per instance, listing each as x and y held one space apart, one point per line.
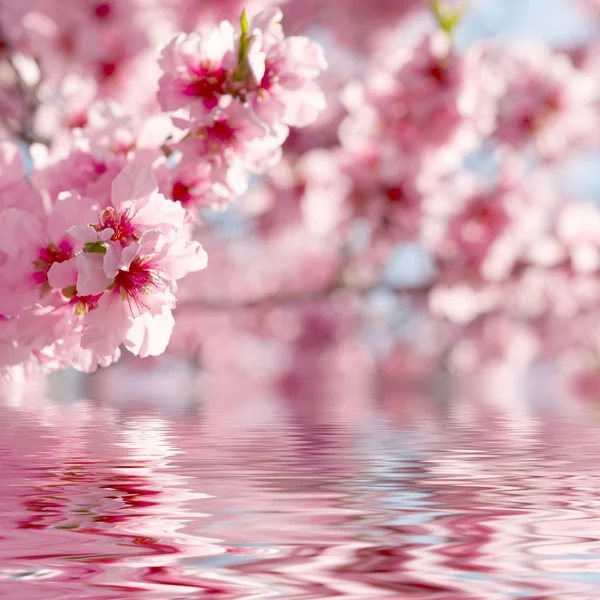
181 192
79 120
107 69
120 223
209 86
437 72
222 131
270 77
140 280
103 10
84 304
395 194
47 257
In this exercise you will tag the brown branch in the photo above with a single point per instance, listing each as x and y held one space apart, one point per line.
29 99
293 298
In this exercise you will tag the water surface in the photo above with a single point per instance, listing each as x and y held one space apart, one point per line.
185 500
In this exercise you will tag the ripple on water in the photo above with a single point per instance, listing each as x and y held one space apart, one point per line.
98 503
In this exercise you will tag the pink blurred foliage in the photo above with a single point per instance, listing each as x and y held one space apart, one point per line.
378 201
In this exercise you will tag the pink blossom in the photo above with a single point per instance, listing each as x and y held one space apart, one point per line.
424 104
273 73
228 137
139 300
232 145
80 171
31 245
197 69
191 183
285 90
134 255
69 110
98 38
578 230
94 155
478 225
34 247
546 101
425 212
233 111
64 272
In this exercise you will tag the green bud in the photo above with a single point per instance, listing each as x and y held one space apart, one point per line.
244 25
241 71
447 19
95 247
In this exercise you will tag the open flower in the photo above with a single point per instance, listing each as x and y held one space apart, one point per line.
132 257
81 281
286 92
197 69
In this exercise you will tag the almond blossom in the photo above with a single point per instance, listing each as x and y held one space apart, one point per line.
284 71
234 94
258 65
84 266
422 175
545 101
197 69
133 255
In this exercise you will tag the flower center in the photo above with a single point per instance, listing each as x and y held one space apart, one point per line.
270 77
208 86
482 214
181 193
107 69
120 223
98 169
221 131
395 195
78 121
140 280
103 10
437 72
84 304
47 257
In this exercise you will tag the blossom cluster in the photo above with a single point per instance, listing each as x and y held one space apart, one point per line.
96 224
428 219
233 96
415 203
81 279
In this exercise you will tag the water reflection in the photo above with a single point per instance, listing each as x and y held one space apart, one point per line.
408 499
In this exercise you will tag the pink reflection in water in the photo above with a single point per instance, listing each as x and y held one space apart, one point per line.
458 503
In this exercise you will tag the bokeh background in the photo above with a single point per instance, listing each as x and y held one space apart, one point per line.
311 294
